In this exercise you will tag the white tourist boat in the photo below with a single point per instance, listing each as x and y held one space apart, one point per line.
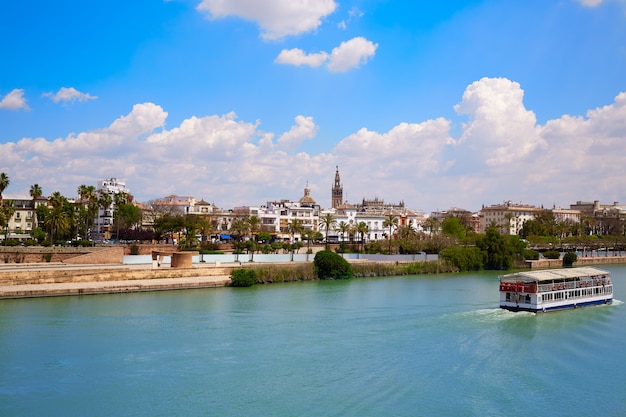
555 289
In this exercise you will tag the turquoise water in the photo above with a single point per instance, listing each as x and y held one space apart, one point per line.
401 346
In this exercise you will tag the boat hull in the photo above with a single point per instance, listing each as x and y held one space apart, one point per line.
565 306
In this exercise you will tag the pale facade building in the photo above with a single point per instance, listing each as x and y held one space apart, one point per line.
24 218
508 217
104 222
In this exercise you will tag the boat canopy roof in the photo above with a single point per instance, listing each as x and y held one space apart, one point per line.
553 274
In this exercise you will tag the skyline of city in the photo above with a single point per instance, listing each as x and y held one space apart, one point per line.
459 104
336 196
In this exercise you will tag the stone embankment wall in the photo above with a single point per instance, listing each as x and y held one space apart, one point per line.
93 255
95 274
582 261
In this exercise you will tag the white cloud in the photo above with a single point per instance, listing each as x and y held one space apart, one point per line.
297 57
590 3
305 128
277 18
500 154
351 54
354 12
70 94
14 100
500 128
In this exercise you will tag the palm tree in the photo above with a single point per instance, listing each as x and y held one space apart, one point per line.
7 210
391 221
35 192
295 227
328 221
4 183
255 224
343 228
239 228
57 200
105 201
362 230
205 228
120 199
57 221
432 225
309 234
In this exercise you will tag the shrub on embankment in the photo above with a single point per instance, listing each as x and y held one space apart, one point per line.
329 265
243 277
276 273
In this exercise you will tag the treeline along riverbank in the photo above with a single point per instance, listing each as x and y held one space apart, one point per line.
19 281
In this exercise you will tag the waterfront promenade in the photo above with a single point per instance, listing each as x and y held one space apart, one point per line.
41 280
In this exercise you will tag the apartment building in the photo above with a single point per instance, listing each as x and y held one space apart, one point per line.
24 218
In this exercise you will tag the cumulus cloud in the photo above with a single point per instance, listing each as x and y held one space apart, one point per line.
501 153
14 100
298 57
305 128
351 54
500 129
277 18
69 95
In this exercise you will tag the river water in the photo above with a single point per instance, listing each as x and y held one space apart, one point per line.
397 346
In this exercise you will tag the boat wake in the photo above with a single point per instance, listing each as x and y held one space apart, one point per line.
493 314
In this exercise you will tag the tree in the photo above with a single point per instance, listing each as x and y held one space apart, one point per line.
88 207
432 225
295 227
239 228
329 265
328 221
463 258
343 228
204 227
4 183
35 192
57 200
255 224
57 221
128 216
452 227
391 222
362 230
496 252
7 210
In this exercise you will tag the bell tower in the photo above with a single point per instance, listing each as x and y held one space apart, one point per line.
337 191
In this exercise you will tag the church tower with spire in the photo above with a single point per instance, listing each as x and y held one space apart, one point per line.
337 192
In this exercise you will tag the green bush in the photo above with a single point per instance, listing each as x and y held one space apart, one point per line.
243 277
551 254
569 258
329 265
464 258
134 249
531 255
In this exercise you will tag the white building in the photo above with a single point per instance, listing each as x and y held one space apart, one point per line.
24 219
104 221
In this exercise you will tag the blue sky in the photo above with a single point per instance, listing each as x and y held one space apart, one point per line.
239 102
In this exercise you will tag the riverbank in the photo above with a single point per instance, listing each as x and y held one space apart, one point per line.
44 280
60 279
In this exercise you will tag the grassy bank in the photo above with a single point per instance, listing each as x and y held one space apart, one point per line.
267 274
